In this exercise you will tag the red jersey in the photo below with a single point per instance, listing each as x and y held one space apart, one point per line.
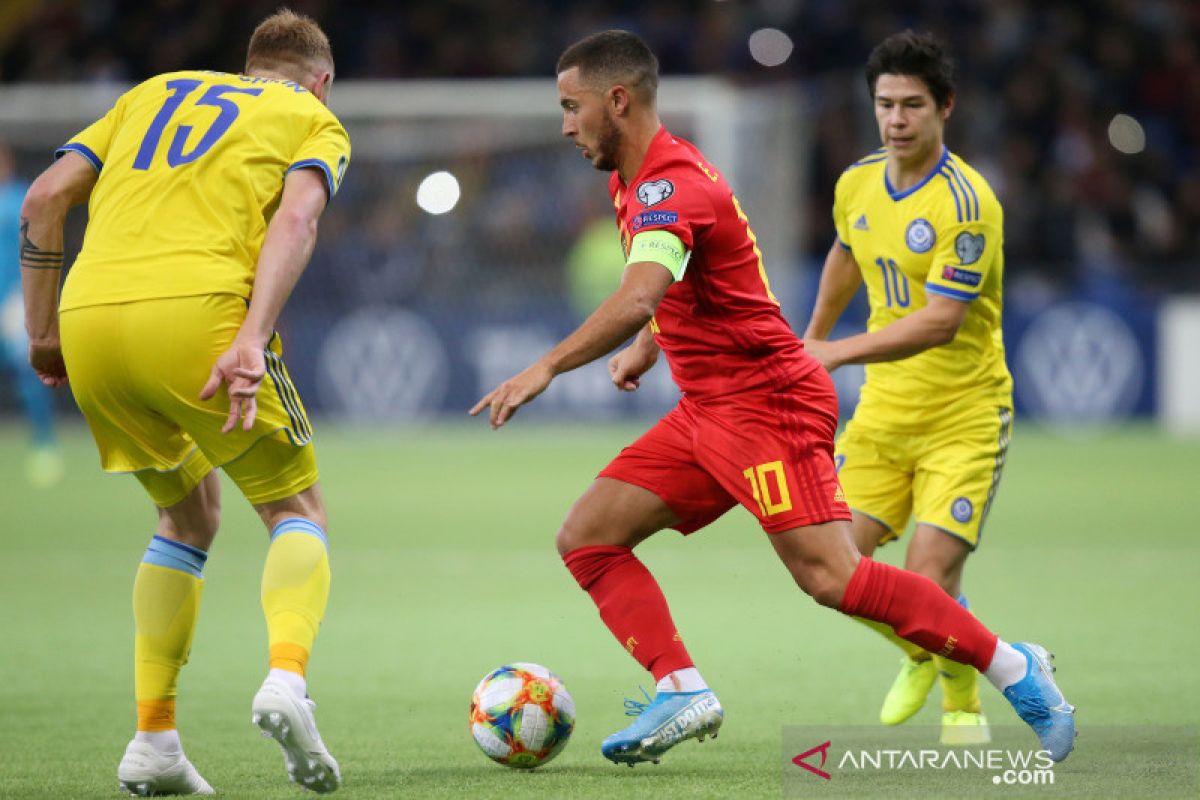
719 325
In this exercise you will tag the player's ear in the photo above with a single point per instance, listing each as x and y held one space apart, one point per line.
322 83
618 99
946 109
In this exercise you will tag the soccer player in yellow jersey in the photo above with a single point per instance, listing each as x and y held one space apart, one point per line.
928 439
204 190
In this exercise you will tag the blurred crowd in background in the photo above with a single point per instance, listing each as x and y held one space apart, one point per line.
1085 116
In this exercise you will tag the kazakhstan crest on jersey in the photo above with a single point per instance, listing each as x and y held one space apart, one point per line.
961 509
920 236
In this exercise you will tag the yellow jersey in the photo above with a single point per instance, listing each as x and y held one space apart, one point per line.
191 167
944 236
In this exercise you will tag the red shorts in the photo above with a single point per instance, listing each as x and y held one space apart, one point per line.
772 452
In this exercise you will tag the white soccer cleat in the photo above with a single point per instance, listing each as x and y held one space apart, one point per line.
288 719
146 771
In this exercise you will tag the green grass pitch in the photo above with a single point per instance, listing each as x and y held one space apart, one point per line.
444 568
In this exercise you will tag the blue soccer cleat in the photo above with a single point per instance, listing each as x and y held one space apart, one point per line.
670 719
1038 701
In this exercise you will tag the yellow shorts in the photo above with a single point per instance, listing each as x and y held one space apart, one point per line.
136 370
945 477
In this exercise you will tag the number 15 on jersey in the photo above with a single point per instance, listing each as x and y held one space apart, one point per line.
180 90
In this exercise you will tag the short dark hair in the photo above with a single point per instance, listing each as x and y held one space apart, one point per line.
614 57
287 39
921 55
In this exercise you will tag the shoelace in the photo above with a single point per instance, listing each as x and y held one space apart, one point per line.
634 708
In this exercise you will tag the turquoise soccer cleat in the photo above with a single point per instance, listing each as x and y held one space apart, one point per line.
1039 702
671 718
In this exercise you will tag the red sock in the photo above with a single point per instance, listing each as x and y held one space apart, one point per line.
919 611
631 605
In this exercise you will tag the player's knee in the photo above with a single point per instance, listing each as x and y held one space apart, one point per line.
597 521
568 538
577 530
821 583
581 529
273 518
827 591
316 514
306 504
196 526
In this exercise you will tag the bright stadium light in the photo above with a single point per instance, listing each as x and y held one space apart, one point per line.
770 46
438 193
1126 134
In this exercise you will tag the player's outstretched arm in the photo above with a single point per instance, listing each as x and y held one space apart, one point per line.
286 249
66 183
620 316
840 279
932 326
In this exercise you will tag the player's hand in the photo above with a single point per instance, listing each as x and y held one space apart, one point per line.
241 368
45 356
627 367
823 351
505 399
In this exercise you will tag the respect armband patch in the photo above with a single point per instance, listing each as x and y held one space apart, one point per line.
653 219
967 277
661 247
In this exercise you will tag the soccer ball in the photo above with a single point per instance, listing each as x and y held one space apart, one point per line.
521 715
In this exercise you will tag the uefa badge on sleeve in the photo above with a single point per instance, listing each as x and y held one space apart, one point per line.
969 247
654 192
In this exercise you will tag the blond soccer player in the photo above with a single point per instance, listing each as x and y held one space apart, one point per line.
203 190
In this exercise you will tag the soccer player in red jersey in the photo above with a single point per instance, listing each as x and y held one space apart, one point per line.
754 426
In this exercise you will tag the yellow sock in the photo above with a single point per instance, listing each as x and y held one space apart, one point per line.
295 590
166 604
883 629
960 687
960 684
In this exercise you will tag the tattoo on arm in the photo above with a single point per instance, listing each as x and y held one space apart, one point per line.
34 257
